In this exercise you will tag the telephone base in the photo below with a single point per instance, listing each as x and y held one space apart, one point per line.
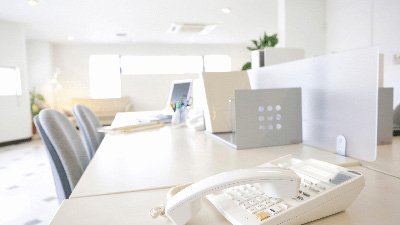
325 190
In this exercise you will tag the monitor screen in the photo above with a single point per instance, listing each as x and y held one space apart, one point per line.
180 92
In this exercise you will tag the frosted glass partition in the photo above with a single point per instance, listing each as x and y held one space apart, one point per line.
339 97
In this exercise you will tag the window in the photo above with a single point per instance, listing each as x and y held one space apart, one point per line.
174 64
10 81
105 80
161 64
105 70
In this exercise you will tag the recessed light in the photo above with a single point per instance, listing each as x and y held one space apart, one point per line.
70 38
192 39
121 34
226 10
33 2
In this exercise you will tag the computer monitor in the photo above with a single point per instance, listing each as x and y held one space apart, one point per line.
180 91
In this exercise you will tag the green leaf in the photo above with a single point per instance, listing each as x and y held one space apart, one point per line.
40 97
254 42
273 40
246 66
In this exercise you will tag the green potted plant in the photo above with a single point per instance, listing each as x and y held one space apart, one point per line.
265 41
37 104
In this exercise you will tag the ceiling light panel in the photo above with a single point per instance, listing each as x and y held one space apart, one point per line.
226 10
33 2
191 28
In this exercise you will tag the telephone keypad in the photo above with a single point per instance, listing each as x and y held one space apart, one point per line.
268 203
307 182
254 194
251 198
247 197
317 181
284 205
260 206
314 190
239 201
253 210
261 198
253 202
229 195
274 210
275 200
320 186
245 205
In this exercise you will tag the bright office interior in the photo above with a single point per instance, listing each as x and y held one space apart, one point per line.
67 50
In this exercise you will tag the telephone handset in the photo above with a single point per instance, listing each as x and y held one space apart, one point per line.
278 182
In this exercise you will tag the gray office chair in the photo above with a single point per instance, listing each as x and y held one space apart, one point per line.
396 116
88 124
396 121
68 158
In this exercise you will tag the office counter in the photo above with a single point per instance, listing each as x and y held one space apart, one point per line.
131 173
378 203
168 157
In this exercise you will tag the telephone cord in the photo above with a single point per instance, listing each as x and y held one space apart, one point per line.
160 210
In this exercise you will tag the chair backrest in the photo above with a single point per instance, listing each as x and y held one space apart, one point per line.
88 123
68 158
396 116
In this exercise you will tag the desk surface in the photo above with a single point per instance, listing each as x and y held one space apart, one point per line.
127 175
168 157
387 159
378 203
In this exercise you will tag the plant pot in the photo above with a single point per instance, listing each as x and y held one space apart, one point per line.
34 131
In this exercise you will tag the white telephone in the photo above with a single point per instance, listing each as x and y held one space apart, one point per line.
284 191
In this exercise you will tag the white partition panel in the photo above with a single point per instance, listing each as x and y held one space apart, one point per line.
339 97
219 88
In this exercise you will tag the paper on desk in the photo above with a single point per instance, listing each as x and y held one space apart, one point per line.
130 128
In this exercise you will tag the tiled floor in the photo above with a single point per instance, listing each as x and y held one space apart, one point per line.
27 191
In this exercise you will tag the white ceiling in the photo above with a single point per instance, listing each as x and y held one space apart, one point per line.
145 21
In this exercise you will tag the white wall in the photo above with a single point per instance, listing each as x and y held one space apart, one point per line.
15 115
150 91
303 25
359 23
348 24
73 61
40 68
386 35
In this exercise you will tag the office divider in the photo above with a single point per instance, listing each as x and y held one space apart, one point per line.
339 97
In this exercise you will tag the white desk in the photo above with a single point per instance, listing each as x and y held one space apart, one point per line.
388 158
168 157
127 175
378 203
